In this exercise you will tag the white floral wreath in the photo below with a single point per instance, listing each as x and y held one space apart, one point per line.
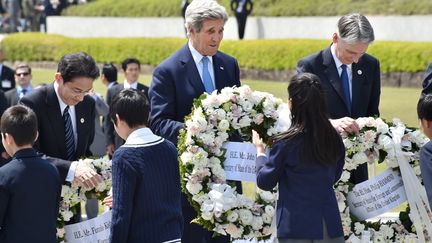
73 194
214 117
375 143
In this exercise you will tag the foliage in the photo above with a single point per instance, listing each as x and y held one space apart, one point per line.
280 54
170 8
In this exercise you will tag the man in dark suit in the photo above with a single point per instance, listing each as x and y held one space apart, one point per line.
350 77
29 186
66 117
6 75
23 77
427 81
196 68
131 68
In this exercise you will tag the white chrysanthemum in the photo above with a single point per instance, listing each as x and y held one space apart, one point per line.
246 216
193 188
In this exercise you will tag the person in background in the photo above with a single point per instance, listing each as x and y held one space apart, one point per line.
311 154
23 77
6 75
131 68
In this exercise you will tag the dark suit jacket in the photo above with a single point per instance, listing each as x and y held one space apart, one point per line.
366 84
306 195
3 106
12 97
7 78
29 199
427 81
111 135
176 83
51 139
426 168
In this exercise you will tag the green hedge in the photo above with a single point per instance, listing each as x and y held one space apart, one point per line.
137 8
260 54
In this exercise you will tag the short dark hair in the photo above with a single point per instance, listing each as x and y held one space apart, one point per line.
131 106
424 107
77 65
22 65
130 60
110 72
21 123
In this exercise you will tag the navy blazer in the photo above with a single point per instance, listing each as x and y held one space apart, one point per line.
427 81
29 199
366 84
51 140
306 195
176 83
426 168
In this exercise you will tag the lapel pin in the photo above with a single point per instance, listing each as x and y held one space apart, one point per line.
359 72
221 68
82 120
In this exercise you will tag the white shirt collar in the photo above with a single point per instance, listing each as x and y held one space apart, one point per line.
142 136
127 85
197 56
338 62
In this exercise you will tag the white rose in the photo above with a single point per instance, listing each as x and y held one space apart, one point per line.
345 176
246 216
267 196
223 125
267 218
207 216
269 209
257 223
193 188
232 216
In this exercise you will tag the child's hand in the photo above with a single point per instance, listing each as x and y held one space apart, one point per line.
108 201
257 141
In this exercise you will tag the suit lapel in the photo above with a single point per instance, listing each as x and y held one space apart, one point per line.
55 119
80 119
332 73
191 71
357 85
221 77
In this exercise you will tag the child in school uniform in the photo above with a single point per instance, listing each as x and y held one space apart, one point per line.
424 112
29 185
306 161
146 180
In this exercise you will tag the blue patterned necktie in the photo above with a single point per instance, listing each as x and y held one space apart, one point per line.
69 135
207 80
345 87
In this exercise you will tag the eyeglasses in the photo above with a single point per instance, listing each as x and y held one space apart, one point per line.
77 92
22 74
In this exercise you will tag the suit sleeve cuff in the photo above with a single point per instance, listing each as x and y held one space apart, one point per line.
71 173
261 154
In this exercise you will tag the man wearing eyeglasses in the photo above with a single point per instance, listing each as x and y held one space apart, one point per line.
66 117
23 79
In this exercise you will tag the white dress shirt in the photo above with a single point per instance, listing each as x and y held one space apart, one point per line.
339 68
127 85
199 64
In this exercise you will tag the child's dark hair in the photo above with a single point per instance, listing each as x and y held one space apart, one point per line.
424 107
21 123
132 106
309 115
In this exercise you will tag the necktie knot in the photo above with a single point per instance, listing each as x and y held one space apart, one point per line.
66 110
343 66
24 91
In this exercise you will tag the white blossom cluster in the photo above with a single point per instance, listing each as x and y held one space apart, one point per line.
208 127
377 136
73 194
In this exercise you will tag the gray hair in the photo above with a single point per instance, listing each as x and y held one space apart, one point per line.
355 27
200 10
